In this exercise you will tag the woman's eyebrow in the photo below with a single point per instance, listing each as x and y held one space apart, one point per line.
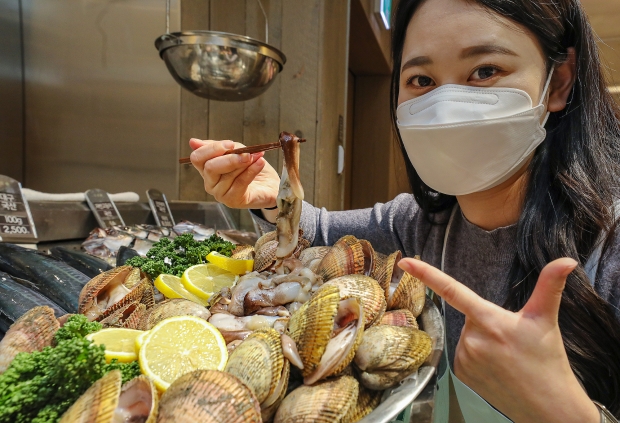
416 61
486 49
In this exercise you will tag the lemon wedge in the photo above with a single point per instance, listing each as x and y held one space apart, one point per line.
179 345
204 280
235 266
172 287
119 343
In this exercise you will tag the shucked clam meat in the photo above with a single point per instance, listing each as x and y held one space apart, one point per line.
290 197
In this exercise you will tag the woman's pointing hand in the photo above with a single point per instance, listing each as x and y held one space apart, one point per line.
515 361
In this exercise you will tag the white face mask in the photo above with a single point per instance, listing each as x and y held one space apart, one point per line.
464 139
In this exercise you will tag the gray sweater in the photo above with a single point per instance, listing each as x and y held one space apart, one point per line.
479 259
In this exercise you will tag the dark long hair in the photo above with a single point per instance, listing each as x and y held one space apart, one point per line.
572 183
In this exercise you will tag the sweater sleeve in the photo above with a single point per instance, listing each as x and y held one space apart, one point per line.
387 226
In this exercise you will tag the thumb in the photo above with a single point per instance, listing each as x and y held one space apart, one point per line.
545 300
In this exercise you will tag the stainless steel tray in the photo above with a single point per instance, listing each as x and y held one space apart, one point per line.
396 400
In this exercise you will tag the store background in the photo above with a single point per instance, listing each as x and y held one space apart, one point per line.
86 102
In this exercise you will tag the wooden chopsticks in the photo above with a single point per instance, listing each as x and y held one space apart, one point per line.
252 149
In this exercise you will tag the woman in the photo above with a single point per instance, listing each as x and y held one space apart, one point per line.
516 207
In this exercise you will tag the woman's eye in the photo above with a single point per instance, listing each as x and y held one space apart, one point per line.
420 81
484 73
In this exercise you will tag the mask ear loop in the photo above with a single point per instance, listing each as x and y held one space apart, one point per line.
544 94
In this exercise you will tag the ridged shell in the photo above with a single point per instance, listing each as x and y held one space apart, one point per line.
410 292
266 256
133 278
258 362
98 283
367 400
388 354
138 401
268 236
148 297
133 321
326 402
98 403
369 257
311 257
311 326
208 396
399 318
346 257
391 267
367 290
269 411
379 272
124 314
33 331
171 308
134 295
243 252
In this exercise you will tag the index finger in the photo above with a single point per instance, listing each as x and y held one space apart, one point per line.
205 150
453 292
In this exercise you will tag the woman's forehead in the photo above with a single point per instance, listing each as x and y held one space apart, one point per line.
454 27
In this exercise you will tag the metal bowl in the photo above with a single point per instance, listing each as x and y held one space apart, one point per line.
219 65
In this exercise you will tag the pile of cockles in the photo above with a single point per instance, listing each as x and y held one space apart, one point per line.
313 333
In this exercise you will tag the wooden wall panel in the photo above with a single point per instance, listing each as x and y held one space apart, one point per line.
333 74
299 82
261 119
194 110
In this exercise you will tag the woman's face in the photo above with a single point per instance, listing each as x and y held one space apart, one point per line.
460 42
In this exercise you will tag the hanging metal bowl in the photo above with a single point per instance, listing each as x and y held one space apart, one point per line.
219 65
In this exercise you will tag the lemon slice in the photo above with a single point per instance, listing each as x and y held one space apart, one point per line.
179 345
204 280
119 343
172 287
140 339
235 266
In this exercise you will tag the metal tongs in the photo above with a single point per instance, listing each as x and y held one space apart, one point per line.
252 149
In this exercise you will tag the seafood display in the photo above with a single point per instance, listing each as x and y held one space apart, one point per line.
90 265
16 300
313 334
54 279
129 241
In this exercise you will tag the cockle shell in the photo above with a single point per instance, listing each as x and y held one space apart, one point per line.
128 316
110 291
138 402
267 237
98 403
258 362
208 396
346 257
327 330
399 318
243 252
170 308
378 273
311 257
367 400
328 401
405 292
369 257
266 256
33 331
268 411
367 290
384 276
388 354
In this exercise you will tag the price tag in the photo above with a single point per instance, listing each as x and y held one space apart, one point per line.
103 208
160 208
15 218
